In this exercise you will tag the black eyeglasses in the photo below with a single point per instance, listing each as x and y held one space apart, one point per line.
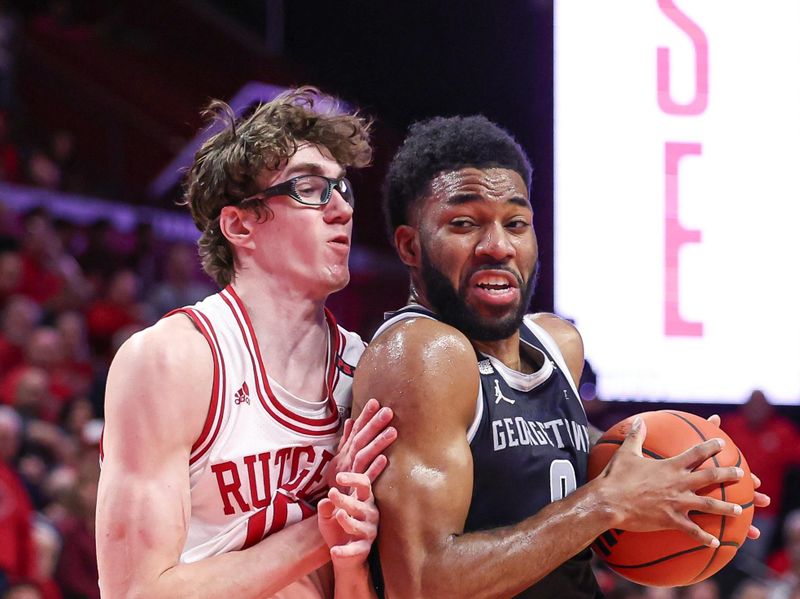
310 190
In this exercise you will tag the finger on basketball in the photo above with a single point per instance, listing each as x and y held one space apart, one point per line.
715 420
707 476
366 455
698 533
761 499
635 437
753 533
709 505
694 456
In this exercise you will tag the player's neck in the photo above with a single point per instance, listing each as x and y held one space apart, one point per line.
507 351
291 332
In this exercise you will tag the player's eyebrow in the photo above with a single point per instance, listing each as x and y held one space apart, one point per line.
310 168
459 199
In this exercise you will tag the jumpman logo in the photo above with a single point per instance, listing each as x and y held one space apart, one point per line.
498 394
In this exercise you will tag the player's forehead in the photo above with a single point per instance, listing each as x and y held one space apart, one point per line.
499 184
475 187
309 159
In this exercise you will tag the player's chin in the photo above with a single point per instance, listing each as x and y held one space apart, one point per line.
337 277
496 311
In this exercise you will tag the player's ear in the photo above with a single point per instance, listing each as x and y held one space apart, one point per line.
406 240
236 224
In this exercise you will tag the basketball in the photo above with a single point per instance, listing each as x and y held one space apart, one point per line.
671 557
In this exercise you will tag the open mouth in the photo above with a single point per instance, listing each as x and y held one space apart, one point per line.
495 286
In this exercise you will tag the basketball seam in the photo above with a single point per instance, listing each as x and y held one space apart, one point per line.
652 454
671 556
722 497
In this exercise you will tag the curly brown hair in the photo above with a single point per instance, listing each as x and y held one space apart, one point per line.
225 168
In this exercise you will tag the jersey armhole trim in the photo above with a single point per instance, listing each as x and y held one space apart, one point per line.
216 407
476 422
551 345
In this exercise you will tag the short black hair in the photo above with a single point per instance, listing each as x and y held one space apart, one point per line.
444 144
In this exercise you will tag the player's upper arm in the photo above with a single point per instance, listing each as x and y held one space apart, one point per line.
427 373
157 398
568 340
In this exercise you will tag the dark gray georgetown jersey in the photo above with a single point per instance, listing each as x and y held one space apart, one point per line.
530 446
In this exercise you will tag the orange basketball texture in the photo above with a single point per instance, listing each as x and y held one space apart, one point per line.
671 557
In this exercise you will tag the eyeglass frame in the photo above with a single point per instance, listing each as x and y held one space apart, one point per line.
288 187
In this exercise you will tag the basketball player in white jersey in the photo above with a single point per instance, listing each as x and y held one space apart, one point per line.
224 421
493 440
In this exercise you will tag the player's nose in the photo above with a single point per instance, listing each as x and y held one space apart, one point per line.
495 244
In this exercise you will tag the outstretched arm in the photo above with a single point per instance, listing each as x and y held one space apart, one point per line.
424 495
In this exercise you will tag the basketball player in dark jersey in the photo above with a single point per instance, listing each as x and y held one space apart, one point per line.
486 492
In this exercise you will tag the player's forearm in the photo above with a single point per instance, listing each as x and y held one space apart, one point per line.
505 561
257 572
353 583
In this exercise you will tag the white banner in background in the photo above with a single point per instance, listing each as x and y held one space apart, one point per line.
677 194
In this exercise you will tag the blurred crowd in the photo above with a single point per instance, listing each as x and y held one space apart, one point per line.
69 297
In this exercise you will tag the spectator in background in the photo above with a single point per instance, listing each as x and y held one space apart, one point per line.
179 286
47 541
17 321
772 442
779 562
77 363
61 151
706 589
100 260
10 267
50 276
77 569
146 256
751 589
17 553
23 590
118 309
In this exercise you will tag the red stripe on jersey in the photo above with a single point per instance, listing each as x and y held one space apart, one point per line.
256 525
222 388
280 511
306 510
292 420
216 405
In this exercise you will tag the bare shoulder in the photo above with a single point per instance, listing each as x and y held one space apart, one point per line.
567 338
160 382
419 362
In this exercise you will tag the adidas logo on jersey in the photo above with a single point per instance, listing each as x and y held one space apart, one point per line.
242 395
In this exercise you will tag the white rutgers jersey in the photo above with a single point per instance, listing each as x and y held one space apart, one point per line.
259 462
